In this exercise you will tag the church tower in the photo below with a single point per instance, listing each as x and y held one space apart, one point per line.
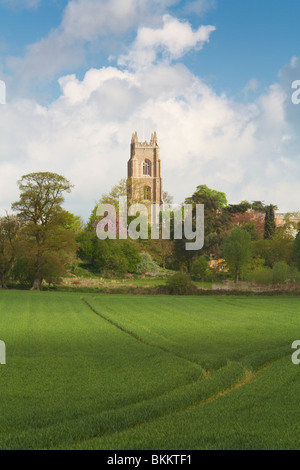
144 171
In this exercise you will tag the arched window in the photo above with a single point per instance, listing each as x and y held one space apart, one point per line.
147 193
147 168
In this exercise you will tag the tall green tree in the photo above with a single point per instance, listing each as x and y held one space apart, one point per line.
270 225
9 228
296 250
40 208
237 251
217 222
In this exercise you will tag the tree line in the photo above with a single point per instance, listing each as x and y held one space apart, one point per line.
41 242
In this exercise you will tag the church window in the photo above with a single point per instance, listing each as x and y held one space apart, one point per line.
147 193
147 168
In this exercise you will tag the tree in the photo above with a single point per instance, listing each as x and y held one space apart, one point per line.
240 208
296 251
146 264
203 190
270 225
248 219
44 233
258 206
200 268
237 251
272 251
180 284
216 225
9 228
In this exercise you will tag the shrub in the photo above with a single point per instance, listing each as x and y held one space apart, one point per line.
281 273
200 268
261 275
146 264
180 284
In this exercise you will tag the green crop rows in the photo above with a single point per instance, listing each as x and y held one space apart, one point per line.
148 372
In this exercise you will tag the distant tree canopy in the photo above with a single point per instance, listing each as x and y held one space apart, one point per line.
258 206
43 241
240 208
203 192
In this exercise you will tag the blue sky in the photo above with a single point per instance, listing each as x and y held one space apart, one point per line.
212 77
253 38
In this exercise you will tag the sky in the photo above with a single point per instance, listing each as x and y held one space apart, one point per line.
213 78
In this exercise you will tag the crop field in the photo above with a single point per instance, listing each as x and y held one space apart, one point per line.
148 372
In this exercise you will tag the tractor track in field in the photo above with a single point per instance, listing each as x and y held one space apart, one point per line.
249 377
205 372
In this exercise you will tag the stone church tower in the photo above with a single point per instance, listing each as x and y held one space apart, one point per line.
144 171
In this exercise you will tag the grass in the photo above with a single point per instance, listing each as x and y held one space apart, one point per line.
148 372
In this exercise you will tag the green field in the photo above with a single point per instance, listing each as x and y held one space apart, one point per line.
148 372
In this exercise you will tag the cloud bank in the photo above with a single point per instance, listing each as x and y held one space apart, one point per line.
249 150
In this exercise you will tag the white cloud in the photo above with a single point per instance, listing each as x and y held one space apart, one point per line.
83 22
204 138
173 40
249 151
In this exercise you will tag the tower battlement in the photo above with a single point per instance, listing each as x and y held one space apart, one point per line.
136 143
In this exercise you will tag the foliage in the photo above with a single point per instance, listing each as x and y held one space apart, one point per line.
203 190
258 206
249 219
9 228
200 268
281 273
261 275
110 257
162 251
240 208
58 248
296 250
44 234
146 264
279 248
216 225
237 251
269 222
180 284
73 222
